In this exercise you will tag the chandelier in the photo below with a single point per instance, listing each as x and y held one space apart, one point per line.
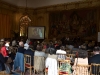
25 20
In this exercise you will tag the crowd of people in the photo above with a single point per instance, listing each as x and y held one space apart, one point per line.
15 60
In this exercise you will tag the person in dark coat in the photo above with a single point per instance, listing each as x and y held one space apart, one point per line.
30 52
21 47
96 58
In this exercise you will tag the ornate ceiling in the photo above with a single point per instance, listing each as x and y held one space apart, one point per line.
37 3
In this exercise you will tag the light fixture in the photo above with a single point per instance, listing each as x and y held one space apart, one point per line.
25 20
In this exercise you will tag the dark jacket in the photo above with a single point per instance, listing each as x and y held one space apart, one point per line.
2 61
21 50
95 59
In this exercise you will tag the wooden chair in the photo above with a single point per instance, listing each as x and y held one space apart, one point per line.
39 64
27 63
71 55
82 70
60 63
95 69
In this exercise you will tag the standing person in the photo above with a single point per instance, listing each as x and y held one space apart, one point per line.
5 60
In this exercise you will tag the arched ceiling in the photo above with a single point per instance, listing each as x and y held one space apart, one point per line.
37 3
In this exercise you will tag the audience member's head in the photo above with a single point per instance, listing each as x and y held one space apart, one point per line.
51 50
96 50
2 43
39 47
2 40
21 44
62 47
82 54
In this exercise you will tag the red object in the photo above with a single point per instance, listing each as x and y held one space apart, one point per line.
4 51
56 45
76 54
30 43
63 72
27 65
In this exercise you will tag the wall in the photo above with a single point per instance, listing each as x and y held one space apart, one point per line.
7 22
40 16
73 6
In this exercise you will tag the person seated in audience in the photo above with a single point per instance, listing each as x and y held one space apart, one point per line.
61 53
39 59
82 59
3 50
51 62
38 51
21 47
19 58
90 46
14 43
96 58
4 58
7 44
58 44
70 46
30 51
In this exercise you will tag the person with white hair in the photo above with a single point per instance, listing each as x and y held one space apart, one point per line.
21 47
19 58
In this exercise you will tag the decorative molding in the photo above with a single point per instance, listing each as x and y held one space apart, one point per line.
69 6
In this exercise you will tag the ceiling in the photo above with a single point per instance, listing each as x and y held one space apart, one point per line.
37 3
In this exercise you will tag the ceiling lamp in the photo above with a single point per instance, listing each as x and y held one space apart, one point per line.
25 20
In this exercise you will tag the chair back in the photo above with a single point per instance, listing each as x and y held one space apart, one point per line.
64 67
27 60
61 56
82 70
39 63
95 69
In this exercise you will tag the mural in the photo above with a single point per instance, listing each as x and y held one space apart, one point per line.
79 23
